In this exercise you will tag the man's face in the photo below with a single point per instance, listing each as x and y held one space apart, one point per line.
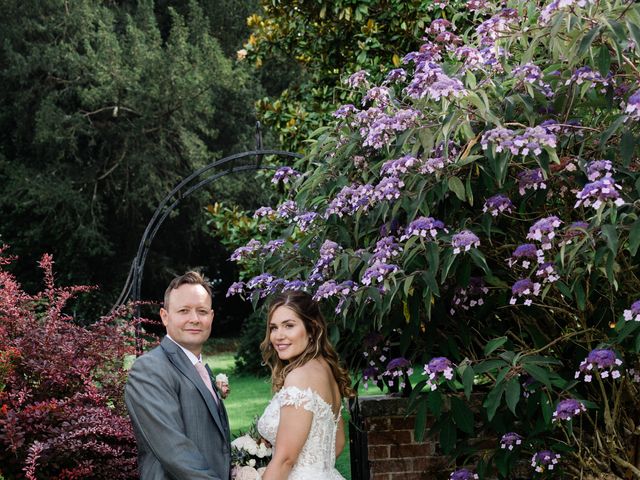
188 316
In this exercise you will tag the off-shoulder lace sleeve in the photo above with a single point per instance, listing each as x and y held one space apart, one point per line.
296 397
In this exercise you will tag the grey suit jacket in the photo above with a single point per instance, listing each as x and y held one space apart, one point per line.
180 431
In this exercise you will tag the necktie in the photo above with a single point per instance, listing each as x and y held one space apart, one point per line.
207 380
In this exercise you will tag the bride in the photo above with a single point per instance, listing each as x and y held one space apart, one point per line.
303 422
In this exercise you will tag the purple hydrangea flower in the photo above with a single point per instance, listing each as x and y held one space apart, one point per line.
260 281
388 189
287 209
567 409
264 212
272 245
242 253
595 194
379 96
502 138
500 24
439 25
463 474
588 75
436 369
396 75
236 288
531 179
526 289
543 231
464 241
602 360
470 296
497 204
358 79
378 272
294 286
397 367
284 175
633 313
400 166
305 220
510 440
544 460
345 111
370 374
634 375
599 168
633 105
328 252
551 8
351 199
386 249
423 227
326 290
532 74
525 254
547 272
476 5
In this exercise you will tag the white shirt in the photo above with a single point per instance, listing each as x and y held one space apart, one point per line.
188 353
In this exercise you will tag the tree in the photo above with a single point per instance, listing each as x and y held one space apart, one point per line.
477 210
102 114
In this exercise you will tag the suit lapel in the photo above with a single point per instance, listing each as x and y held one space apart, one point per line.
177 357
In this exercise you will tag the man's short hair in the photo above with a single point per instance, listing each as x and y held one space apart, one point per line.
190 278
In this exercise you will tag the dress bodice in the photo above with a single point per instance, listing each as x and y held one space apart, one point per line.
318 455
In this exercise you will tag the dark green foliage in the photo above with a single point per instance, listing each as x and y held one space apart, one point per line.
102 112
248 358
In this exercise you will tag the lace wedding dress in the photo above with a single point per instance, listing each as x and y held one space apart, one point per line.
318 456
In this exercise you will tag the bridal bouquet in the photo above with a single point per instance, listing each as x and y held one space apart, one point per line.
250 454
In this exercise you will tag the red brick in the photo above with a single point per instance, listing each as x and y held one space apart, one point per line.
402 423
391 465
381 476
431 464
408 476
377 423
411 450
390 437
376 452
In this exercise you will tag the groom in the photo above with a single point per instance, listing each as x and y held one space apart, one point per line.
180 422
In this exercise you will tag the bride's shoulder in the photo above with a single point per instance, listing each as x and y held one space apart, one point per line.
310 375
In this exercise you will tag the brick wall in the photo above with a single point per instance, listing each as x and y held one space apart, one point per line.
383 444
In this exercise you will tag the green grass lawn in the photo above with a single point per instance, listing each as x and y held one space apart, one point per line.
250 395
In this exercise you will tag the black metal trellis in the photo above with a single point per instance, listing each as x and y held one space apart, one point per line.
189 185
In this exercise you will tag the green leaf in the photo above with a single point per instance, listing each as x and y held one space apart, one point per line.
635 32
611 234
587 40
611 130
493 344
448 436
545 406
407 284
421 421
512 394
539 373
492 402
468 376
434 402
462 415
488 366
479 260
604 60
634 238
627 146
457 187
578 291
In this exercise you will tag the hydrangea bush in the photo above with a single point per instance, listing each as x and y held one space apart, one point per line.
482 201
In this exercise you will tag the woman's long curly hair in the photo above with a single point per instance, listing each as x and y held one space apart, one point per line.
319 346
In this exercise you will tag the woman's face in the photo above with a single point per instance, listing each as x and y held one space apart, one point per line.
287 333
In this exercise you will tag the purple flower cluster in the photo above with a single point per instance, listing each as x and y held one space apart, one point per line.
333 289
633 106
236 288
351 199
377 127
388 189
386 249
532 179
439 25
510 440
550 9
378 96
567 409
633 313
305 220
532 140
599 168
470 296
243 253
500 24
370 374
597 193
295 286
430 81
358 79
572 231
544 460
464 241
547 272
497 204
526 289
284 175
476 5
525 254
272 245
328 252
543 231
400 166
378 272
345 111
397 75
436 369
604 361
532 74
463 474
588 75
287 209
423 227
397 369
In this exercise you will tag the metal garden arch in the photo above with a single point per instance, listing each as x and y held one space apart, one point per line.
194 182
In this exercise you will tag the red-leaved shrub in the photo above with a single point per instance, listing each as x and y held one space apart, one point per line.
62 414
